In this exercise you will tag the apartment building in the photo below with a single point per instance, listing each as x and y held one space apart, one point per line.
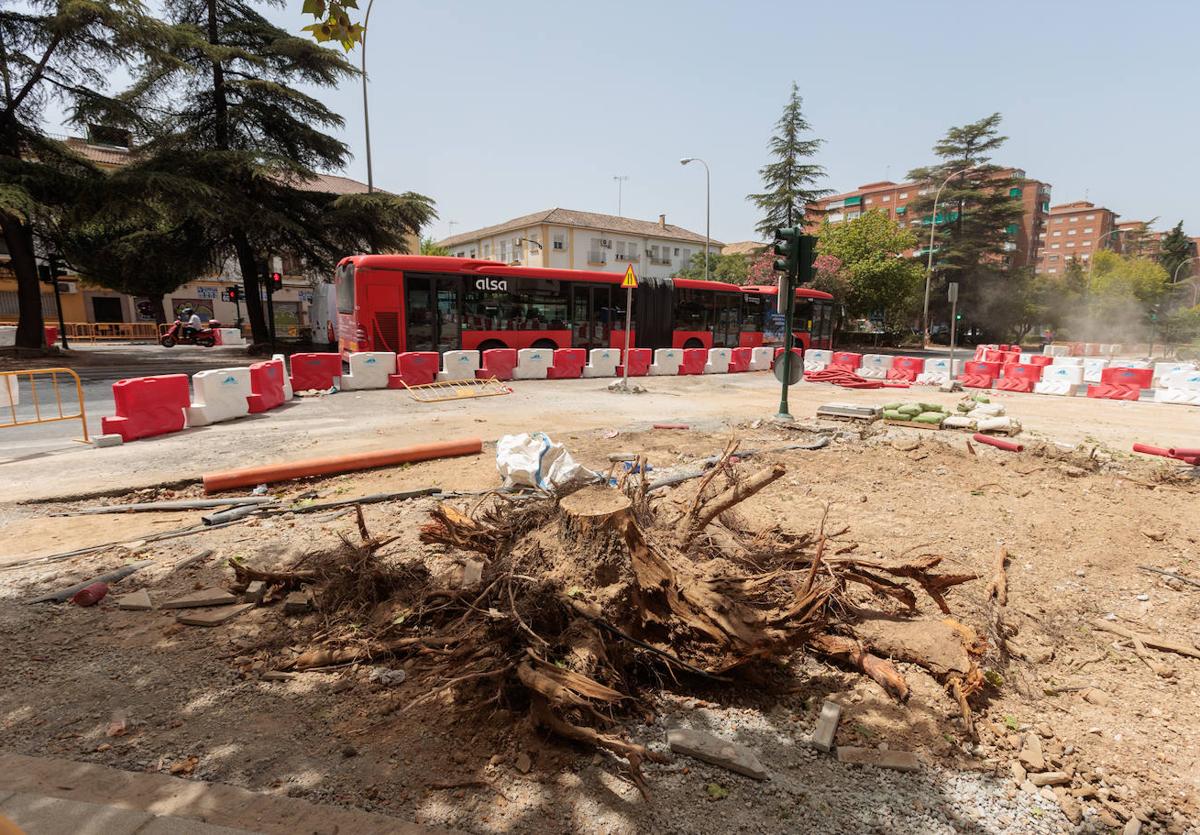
1073 232
1135 237
573 240
893 200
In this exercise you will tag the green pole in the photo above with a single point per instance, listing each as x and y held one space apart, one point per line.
789 312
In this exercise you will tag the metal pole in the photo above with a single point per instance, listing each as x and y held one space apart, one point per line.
620 178
707 207
62 325
929 267
953 335
625 355
366 109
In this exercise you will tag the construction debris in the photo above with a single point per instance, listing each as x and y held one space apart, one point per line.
139 601
827 724
199 599
712 749
214 616
896 760
108 577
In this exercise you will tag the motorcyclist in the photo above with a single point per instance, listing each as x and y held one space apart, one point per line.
191 322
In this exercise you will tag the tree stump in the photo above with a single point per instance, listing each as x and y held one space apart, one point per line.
595 520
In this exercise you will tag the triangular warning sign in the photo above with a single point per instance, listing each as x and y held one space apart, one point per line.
630 279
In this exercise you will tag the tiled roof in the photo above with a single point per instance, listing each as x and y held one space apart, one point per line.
744 248
99 154
589 220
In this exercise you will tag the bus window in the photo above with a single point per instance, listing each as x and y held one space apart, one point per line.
727 320
694 310
508 304
345 287
803 316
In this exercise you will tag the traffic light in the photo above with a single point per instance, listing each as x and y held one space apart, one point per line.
787 245
49 272
232 294
276 282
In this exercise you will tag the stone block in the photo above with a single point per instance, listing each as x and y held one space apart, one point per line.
712 749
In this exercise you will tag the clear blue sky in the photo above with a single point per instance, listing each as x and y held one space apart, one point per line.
500 109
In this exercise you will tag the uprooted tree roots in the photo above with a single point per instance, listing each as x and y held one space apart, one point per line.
584 600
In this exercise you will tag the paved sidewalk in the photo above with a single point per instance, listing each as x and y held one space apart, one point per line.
47 796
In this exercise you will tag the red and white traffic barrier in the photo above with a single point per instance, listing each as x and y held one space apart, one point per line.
369 370
602 362
718 361
666 362
533 363
219 395
458 365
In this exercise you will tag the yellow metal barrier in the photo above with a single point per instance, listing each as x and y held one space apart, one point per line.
114 331
10 393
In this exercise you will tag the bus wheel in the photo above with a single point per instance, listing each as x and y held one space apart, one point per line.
546 344
490 344
693 343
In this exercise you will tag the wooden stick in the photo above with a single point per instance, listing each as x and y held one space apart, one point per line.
998 588
1170 574
1163 644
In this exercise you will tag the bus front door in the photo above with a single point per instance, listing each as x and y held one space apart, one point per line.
432 313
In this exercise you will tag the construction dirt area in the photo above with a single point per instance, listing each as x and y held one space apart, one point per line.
748 625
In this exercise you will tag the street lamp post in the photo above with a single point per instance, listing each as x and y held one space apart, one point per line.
1193 280
932 231
366 110
1092 254
707 207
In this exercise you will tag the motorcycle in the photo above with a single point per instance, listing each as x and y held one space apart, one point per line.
205 338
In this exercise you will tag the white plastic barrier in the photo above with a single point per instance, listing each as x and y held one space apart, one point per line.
1056 351
1182 397
459 365
666 362
219 394
718 361
818 355
1062 380
369 370
231 336
760 358
1093 369
602 362
1130 363
8 336
1162 370
1060 359
1188 380
933 378
875 366
533 363
814 365
288 394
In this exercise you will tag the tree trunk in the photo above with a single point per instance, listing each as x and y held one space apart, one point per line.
159 303
18 235
254 306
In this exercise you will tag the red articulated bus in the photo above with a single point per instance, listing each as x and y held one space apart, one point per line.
435 303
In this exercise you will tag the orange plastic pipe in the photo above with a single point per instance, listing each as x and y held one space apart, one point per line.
270 473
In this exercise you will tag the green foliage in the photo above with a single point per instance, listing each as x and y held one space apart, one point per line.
1128 278
53 52
730 268
974 212
1181 326
1175 252
871 278
788 181
226 104
333 22
431 247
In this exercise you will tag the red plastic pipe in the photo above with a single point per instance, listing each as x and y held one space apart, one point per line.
1153 450
999 443
1180 452
671 426
253 476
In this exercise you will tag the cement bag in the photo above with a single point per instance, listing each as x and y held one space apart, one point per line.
894 414
934 418
959 422
533 460
1007 425
987 410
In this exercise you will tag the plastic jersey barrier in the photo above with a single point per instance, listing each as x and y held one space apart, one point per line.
1108 391
568 364
532 363
666 362
499 363
602 362
693 360
266 384
272 473
369 370
220 394
718 360
459 365
316 371
415 368
739 360
148 406
1140 378
762 357
846 359
639 362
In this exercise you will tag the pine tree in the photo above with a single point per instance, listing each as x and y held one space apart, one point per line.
227 110
789 181
977 212
1176 250
52 51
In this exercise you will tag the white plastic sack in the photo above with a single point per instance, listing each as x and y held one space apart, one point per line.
986 410
533 460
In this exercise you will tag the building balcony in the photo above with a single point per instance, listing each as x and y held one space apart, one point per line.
622 257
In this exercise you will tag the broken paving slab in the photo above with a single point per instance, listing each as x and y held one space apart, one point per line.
138 601
254 592
896 760
712 749
827 725
213 616
198 599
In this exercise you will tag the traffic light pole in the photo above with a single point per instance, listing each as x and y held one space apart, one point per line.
787 291
62 325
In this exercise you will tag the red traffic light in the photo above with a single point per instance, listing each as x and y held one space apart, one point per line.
277 281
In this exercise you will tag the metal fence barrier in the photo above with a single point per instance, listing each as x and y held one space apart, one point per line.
44 410
112 331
